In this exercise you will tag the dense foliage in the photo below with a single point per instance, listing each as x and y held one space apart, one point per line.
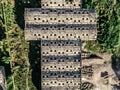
14 50
109 25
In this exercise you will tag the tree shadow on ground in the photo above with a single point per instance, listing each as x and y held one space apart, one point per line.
116 65
34 59
94 56
90 55
34 56
4 54
20 6
7 69
2 33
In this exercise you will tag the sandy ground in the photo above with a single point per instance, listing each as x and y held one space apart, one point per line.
101 65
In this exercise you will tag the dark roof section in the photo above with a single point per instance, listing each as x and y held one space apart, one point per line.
61 42
65 58
61 26
60 11
63 74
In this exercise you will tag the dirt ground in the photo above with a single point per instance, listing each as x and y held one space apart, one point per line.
101 66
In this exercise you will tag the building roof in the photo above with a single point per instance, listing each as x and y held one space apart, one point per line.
46 22
60 64
60 3
60 25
